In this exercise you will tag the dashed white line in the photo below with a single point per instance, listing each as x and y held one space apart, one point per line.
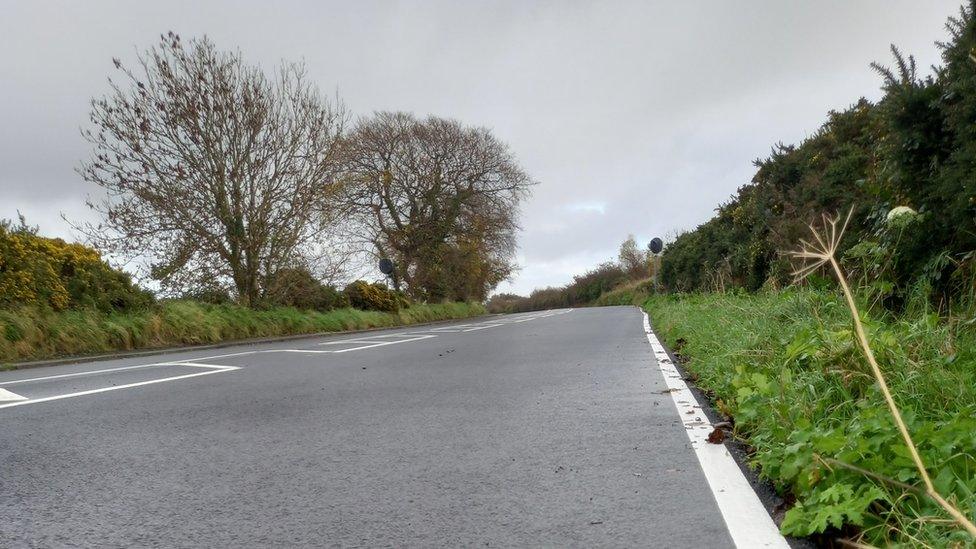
745 517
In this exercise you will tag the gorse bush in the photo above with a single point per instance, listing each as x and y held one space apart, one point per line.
48 272
916 147
297 287
373 297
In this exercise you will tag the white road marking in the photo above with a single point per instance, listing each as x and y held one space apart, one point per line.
214 370
344 341
482 327
7 396
745 516
381 344
92 372
310 351
398 334
194 364
242 353
368 342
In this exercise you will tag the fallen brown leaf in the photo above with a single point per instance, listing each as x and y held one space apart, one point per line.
717 436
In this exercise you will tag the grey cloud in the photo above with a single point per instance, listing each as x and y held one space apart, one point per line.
653 109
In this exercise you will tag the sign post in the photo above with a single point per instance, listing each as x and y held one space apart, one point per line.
655 246
388 268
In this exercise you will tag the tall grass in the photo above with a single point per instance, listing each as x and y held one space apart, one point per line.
32 333
822 252
787 367
629 293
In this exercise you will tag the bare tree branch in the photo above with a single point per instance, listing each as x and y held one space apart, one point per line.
213 172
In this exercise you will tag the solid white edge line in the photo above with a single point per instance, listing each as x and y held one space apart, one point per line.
746 518
214 370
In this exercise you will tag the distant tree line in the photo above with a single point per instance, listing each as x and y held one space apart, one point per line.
631 265
907 166
219 177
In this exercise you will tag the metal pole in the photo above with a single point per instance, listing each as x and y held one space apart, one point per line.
657 273
396 280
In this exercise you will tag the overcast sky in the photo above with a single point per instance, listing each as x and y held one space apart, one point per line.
635 117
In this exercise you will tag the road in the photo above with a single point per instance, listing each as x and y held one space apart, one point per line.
554 428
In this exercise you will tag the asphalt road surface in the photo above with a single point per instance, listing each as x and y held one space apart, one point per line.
541 429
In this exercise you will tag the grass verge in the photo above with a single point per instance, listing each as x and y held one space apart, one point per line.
35 334
787 368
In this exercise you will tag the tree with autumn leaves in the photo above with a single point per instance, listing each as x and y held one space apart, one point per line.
215 175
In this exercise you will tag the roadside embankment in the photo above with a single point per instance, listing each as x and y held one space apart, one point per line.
786 367
32 333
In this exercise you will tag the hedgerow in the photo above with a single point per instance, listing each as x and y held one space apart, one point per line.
915 147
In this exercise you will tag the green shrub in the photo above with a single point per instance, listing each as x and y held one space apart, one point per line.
632 293
298 288
583 290
504 303
915 147
52 273
372 297
214 296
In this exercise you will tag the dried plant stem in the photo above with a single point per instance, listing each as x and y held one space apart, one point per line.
855 544
879 377
838 463
820 252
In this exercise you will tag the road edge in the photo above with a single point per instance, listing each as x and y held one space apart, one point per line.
82 359
749 522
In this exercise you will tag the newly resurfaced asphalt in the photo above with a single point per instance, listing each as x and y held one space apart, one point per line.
550 431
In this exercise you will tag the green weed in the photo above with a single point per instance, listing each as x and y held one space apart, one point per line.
785 365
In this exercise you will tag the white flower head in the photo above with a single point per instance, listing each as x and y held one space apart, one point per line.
899 216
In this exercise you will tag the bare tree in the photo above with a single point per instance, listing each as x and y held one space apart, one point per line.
632 258
213 172
439 198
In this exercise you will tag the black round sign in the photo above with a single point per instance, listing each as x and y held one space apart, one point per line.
386 266
656 245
